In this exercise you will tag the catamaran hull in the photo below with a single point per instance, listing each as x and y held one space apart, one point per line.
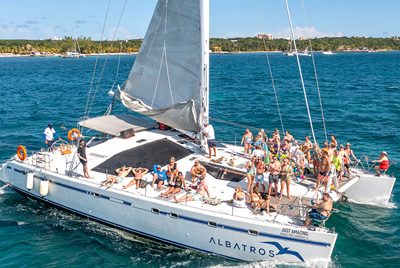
371 189
197 229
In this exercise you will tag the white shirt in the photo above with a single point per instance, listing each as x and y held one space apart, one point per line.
209 130
258 153
49 133
293 151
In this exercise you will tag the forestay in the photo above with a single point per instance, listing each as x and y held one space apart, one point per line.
165 80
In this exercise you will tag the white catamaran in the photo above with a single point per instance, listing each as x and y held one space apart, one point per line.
169 83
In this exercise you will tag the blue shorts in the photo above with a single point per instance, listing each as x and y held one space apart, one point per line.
260 178
197 196
316 215
119 179
211 143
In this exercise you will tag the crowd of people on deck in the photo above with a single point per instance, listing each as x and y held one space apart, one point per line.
284 159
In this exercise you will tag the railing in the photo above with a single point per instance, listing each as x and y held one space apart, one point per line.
365 165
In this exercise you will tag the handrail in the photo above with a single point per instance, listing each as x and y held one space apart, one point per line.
367 165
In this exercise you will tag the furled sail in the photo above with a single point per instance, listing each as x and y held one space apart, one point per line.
165 80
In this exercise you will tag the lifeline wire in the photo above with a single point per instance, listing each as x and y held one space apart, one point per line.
269 66
301 74
315 71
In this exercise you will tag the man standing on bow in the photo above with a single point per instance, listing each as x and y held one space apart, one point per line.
48 136
208 131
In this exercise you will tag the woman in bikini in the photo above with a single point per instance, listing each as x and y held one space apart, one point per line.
246 139
286 174
255 197
316 160
177 187
264 205
250 172
238 198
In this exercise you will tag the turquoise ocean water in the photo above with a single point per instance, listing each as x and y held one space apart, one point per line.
360 96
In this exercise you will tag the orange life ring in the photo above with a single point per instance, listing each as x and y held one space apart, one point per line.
71 132
21 152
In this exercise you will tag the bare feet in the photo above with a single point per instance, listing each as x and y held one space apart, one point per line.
104 184
215 155
209 157
90 178
304 226
289 197
123 186
176 199
109 186
162 194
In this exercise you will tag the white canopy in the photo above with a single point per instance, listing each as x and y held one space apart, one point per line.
114 124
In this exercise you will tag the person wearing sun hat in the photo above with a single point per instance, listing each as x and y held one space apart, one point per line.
347 160
383 164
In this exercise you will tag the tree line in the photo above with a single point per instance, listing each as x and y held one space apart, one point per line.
249 44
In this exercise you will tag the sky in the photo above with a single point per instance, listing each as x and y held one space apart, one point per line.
49 19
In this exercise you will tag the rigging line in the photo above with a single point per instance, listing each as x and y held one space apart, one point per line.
237 125
315 72
165 52
301 74
105 62
95 65
119 60
269 66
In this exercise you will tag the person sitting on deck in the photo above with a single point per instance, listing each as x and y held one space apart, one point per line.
347 160
319 211
122 173
247 138
202 188
238 198
264 205
255 197
172 170
383 164
274 170
177 187
159 177
139 173
197 171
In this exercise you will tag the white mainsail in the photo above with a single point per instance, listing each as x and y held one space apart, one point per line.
166 81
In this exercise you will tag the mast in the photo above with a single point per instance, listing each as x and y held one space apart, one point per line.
205 60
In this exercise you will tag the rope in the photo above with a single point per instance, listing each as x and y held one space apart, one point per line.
315 72
105 62
269 66
237 125
95 65
119 60
301 74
